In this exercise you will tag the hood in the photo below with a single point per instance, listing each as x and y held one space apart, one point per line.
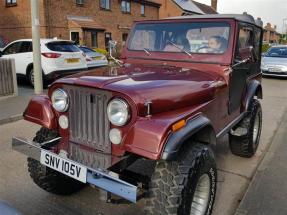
266 61
167 88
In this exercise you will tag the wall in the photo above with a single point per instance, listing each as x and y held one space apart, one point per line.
15 22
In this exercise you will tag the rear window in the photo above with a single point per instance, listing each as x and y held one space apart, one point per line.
62 46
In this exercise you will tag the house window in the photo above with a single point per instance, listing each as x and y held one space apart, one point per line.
108 37
11 2
79 2
94 36
142 10
126 6
105 4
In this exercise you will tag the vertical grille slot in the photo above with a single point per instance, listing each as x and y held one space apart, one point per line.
89 124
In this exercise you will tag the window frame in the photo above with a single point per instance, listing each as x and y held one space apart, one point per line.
142 6
11 3
126 2
105 8
94 33
80 2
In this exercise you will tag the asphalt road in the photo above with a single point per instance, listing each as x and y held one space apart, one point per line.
235 173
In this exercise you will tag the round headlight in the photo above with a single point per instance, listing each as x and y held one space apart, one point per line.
60 100
118 112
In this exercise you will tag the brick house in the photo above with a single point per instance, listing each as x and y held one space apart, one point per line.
170 8
89 22
270 34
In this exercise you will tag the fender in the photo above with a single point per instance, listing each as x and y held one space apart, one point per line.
199 127
254 88
40 111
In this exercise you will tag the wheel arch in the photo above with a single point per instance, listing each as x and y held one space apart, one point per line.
254 88
29 67
199 129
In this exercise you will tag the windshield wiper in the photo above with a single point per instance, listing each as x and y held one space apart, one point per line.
146 51
172 43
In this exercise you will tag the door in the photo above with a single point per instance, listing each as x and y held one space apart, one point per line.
240 73
75 36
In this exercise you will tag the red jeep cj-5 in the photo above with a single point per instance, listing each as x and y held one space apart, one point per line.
145 125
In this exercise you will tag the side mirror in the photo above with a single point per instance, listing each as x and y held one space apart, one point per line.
1 53
247 54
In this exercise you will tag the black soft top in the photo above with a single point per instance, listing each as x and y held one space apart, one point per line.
239 17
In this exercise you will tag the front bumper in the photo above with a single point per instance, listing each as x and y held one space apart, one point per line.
105 180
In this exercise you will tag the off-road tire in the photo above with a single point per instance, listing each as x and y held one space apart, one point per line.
244 145
173 183
47 178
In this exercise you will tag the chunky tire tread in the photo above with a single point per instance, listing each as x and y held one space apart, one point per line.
171 183
49 179
243 145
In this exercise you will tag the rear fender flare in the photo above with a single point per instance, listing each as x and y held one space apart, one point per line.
254 88
198 128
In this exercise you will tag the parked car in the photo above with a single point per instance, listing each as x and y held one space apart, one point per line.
158 109
94 59
3 42
59 58
274 61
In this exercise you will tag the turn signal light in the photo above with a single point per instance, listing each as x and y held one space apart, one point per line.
51 55
180 124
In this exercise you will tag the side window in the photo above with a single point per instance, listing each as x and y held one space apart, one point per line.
245 37
12 49
26 47
257 47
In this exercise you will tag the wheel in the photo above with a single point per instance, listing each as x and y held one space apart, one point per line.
246 144
184 187
31 78
49 179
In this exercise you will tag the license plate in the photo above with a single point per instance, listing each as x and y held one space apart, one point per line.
97 58
65 166
274 70
72 60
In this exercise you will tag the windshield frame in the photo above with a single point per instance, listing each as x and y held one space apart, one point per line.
228 42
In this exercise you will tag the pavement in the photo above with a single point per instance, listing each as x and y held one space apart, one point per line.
235 173
12 108
267 191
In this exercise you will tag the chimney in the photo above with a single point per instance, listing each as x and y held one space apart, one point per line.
214 4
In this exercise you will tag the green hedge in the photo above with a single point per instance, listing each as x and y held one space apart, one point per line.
265 47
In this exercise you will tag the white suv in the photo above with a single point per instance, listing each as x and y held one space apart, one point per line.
59 58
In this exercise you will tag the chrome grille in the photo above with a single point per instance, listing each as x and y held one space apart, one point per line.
89 124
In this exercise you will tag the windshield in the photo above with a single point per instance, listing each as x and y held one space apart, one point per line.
277 52
201 37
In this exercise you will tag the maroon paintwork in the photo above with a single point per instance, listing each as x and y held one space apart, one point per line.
178 89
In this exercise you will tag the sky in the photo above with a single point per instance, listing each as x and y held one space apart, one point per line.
273 11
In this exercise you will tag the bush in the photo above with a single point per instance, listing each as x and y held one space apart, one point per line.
102 51
265 47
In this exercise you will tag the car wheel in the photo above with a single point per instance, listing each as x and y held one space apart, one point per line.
184 187
246 144
31 78
47 178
